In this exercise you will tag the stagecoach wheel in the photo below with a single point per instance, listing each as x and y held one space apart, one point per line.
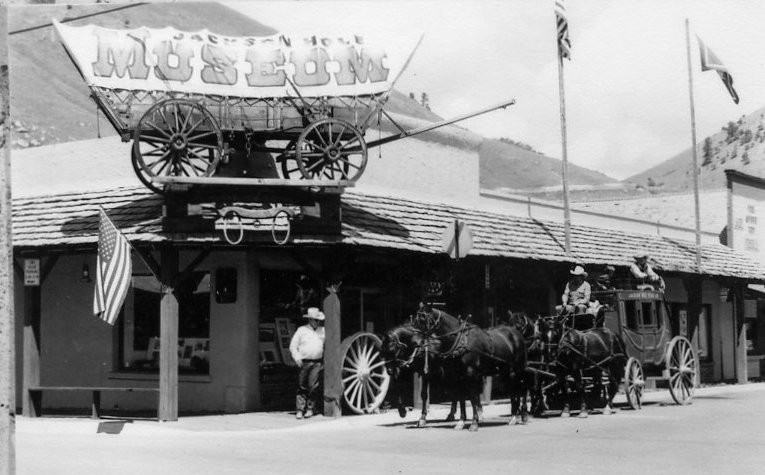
365 380
176 138
288 161
331 149
683 366
634 383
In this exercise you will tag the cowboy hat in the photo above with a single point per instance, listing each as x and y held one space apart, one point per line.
314 313
579 270
641 255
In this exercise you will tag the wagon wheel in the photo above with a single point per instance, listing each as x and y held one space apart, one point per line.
365 380
683 366
331 149
634 383
176 137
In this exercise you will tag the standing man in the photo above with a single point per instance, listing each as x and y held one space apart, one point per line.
307 349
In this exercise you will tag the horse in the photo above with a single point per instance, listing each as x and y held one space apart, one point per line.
469 353
403 348
589 352
535 354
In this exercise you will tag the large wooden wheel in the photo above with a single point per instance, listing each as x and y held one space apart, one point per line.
683 367
331 149
176 138
365 380
634 382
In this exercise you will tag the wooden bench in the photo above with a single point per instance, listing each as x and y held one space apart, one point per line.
35 394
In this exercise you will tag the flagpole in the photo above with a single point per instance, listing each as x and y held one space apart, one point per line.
564 162
693 149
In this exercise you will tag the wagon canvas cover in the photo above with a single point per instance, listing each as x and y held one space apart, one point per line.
201 62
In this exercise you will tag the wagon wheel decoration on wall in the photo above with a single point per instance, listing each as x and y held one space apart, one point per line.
683 366
327 149
176 138
365 379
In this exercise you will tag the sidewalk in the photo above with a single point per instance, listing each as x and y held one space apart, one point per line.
239 424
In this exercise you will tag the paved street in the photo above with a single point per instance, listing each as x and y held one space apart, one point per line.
721 432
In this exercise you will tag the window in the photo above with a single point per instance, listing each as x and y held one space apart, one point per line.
139 329
701 335
631 313
649 314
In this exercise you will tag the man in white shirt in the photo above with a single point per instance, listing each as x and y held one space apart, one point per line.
644 274
307 349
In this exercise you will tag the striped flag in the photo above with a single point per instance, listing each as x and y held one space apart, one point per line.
564 42
709 60
113 271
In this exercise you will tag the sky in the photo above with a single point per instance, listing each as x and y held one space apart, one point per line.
626 86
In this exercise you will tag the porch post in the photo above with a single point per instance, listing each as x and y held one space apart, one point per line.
333 385
168 336
742 371
31 350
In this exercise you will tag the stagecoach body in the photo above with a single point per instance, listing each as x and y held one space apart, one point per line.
641 318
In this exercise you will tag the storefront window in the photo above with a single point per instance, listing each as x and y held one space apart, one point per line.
140 327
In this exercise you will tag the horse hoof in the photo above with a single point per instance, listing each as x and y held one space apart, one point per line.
565 414
607 411
421 423
524 420
583 414
459 425
401 412
450 418
473 427
513 421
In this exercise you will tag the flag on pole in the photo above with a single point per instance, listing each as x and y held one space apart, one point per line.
709 60
113 271
564 42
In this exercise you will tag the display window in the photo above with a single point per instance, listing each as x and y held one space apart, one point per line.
139 329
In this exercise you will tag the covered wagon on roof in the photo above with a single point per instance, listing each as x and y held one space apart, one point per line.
198 104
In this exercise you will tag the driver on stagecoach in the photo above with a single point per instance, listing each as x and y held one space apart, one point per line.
576 297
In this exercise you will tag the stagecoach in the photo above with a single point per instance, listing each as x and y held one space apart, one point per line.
641 318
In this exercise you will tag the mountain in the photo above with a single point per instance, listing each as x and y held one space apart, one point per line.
739 145
512 167
50 102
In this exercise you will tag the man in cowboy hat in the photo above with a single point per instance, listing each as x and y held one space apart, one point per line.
307 349
576 297
644 274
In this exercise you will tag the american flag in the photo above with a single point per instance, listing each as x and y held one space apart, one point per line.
709 60
564 42
113 271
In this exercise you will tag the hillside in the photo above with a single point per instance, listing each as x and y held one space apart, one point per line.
508 166
739 145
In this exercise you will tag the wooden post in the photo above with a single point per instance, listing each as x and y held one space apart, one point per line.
741 366
7 324
31 350
693 288
168 337
333 384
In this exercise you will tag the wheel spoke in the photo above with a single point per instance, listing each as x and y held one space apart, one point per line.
350 163
197 123
161 111
202 145
339 135
349 378
321 138
175 113
314 165
313 146
198 136
152 125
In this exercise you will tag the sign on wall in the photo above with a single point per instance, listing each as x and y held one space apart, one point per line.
203 62
31 272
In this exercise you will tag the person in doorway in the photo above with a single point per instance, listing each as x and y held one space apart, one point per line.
576 296
644 274
307 349
605 281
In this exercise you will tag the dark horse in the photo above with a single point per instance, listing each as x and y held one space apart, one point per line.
403 349
588 353
535 354
469 353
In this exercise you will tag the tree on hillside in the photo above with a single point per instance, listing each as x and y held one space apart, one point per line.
707 152
425 100
747 137
730 131
745 158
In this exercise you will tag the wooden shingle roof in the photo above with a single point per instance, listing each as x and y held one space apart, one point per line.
71 219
